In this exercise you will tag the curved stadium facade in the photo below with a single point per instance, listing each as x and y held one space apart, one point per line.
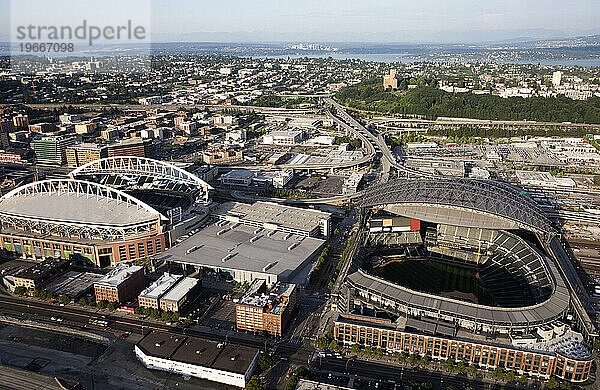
109 211
488 227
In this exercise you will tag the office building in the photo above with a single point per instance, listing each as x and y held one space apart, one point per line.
130 147
6 127
21 122
259 311
52 149
121 284
150 296
84 153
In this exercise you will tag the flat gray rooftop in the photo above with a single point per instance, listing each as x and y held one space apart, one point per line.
75 209
73 283
273 213
266 254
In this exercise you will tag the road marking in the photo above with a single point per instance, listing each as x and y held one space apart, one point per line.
36 305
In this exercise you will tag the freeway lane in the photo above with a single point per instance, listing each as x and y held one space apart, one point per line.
298 353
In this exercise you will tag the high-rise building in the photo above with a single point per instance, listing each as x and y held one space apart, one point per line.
130 147
556 78
390 80
84 153
52 149
6 127
21 122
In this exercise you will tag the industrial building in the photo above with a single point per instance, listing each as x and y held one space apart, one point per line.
121 284
40 274
245 253
259 311
277 217
226 363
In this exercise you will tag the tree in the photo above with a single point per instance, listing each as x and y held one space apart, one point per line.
82 301
356 348
254 384
292 382
424 361
265 361
524 379
333 345
461 368
322 342
65 299
188 320
565 385
112 306
499 373
551 383
510 376
471 370
102 304
402 357
20 290
448 365
413 360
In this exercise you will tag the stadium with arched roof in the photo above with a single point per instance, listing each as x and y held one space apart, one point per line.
459 202
480 231
73 218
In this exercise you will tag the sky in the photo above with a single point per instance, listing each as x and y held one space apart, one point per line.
331 20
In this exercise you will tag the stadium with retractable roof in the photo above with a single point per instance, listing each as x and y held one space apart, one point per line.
450 260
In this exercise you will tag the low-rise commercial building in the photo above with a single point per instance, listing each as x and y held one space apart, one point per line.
222 156
180 295
41 273
259 311
283 137
121 284
150 296
230 364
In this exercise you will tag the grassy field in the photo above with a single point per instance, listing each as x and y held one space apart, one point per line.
433 277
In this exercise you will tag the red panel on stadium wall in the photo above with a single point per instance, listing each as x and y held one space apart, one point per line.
415 224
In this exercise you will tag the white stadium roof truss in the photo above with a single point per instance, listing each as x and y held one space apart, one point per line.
139 166
80 229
